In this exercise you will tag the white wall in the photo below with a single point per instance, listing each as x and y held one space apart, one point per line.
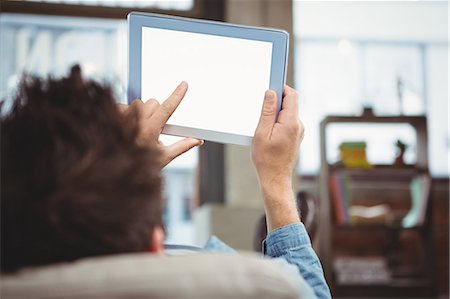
393 20
438 110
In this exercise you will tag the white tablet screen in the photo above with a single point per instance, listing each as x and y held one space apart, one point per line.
227 78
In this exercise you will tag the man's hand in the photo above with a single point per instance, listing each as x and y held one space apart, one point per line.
152 119
274 153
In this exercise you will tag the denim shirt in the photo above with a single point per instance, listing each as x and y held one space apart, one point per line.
292 243
290 247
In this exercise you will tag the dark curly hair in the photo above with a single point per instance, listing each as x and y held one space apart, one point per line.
74 181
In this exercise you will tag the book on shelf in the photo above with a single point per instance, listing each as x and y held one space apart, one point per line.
367 270
420 191
340 196
378 214
340 188
348 214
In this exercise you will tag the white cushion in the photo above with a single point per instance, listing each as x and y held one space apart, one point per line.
147 276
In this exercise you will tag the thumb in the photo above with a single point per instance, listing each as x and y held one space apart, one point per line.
268 112
174 150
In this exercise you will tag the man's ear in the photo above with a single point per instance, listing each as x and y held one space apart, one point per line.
157 240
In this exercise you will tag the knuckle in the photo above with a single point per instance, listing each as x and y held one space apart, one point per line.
269 109
296 128
135 107
122 107
302 131
258 137
137 102
152 102
301 126
268 112
293 126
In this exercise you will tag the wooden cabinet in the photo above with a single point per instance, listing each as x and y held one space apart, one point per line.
402 257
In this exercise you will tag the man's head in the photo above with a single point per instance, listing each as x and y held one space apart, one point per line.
74 181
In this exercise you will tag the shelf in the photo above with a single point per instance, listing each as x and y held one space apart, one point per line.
378 168
361 227
414 120
397 288
380 177
393 283
341 187
378 172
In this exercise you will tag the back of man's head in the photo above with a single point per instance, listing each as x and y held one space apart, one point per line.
74 181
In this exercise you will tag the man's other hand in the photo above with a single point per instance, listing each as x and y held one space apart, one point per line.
274 153
153 116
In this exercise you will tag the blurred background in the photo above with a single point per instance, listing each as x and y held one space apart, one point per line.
373 171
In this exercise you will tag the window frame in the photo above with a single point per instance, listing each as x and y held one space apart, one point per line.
199 10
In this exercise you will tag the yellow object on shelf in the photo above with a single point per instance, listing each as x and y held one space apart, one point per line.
353 155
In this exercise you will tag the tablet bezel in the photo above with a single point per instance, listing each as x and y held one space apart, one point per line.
280 47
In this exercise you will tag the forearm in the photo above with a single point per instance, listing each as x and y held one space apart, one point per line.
274 153
287 237
279 202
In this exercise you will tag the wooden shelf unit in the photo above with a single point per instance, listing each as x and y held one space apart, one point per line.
376 179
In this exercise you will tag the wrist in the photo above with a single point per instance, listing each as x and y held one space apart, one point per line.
279 202
275 190
275 180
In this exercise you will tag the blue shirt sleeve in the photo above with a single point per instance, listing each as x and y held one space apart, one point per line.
305 291
292 243
214 244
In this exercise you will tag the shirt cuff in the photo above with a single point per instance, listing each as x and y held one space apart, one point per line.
280 240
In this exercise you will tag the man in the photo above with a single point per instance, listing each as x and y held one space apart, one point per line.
81 175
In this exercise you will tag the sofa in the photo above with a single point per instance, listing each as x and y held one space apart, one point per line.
194 276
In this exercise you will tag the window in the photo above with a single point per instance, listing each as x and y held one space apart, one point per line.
341 69
167 4
341 78
44 45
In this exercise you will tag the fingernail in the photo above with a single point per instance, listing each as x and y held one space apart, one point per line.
201 142
183 84
269 95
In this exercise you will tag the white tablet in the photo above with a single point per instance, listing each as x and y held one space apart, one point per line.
228 68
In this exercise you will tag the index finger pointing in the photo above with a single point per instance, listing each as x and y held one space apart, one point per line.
169 105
